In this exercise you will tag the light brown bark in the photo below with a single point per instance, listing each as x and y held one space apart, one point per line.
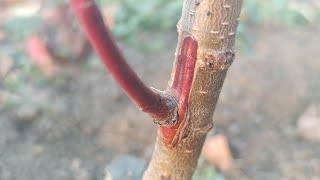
213 24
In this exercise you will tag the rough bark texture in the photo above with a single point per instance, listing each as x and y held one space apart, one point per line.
212 24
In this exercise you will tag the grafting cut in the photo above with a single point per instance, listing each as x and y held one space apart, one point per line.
207 30
181 87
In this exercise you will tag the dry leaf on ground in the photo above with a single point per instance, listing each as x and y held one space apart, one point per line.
309 123
216 150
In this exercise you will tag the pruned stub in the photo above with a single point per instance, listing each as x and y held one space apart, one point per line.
218 61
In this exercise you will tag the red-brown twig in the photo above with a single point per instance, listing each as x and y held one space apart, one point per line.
159 106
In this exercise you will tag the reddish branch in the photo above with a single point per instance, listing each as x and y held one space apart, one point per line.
40 55
160 107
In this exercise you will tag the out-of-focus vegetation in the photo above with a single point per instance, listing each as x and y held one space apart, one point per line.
280 12
207 174
133 19
136 16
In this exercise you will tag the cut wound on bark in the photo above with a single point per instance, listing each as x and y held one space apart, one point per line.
181 87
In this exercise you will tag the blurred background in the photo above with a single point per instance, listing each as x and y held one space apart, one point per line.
63 117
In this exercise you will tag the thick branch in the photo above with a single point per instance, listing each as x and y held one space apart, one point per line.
160 106
211 24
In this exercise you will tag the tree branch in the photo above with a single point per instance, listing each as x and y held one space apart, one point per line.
159 105
211 25
205 51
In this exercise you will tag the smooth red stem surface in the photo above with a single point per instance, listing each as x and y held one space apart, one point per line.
100 37
182 84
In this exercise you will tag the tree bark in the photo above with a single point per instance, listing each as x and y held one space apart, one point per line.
211 25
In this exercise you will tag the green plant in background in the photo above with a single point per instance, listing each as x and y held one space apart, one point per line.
21 27
279 12
135 17
18 83
208 173
275 12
